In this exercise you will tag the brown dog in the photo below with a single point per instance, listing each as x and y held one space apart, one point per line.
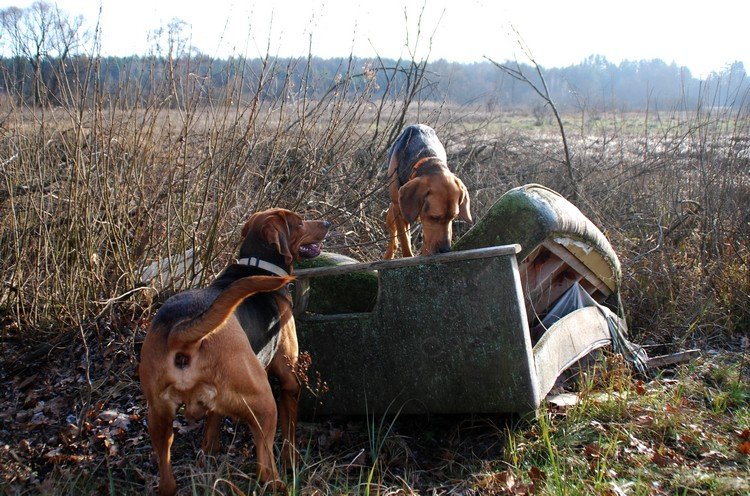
421 186
209 349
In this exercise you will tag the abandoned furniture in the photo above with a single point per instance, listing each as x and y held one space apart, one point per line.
487 328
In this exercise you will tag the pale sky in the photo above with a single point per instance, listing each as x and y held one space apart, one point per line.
704 36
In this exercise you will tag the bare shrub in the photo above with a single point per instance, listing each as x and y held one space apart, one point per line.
673 197
124 193
162 172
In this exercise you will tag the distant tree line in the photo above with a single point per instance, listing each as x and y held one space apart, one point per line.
45 63
597 83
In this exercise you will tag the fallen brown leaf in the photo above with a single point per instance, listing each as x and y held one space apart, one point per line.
640 388
592 450
660 460
537 475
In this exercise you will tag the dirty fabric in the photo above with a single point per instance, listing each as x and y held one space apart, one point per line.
575 298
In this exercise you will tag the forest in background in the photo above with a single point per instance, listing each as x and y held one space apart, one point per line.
594 84
48 57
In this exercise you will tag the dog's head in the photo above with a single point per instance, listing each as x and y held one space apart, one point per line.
279 232
436 199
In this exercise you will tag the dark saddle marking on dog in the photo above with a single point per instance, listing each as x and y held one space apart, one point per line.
259 318
416 142
258 315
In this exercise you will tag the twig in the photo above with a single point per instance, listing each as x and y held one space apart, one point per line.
517 73
108 303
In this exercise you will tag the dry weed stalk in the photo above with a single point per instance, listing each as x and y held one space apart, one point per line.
153 172
160 171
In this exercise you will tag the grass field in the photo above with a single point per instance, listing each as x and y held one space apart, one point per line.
90 196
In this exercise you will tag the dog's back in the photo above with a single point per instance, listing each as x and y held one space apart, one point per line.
415 142
183 306
258 315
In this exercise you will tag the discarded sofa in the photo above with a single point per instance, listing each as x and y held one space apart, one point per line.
529 290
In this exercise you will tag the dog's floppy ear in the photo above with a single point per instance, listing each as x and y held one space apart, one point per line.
276 232
246 228
411 198
464 205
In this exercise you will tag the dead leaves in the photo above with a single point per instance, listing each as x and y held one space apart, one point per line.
666 457
48 428
744 446
537 476
640 388
656 428
505 483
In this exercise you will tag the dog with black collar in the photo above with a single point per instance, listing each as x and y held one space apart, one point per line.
210 349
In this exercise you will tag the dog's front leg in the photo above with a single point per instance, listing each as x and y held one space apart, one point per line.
404 236
391 227
283 368
398 231
160 430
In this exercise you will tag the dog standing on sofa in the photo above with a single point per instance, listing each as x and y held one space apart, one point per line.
422 187
210 349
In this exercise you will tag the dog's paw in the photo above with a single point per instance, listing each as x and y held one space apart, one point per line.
167 486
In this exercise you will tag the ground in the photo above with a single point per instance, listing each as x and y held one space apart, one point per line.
73 422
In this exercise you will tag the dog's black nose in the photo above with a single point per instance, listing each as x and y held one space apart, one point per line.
444 249
326 224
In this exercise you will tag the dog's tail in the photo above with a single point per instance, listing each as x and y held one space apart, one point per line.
222 307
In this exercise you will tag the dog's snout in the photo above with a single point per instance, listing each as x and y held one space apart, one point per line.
444 249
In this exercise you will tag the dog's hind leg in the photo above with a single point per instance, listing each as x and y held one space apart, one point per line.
162 435
262 421
257 407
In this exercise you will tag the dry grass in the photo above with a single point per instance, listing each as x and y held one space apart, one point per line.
94 192
678 434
